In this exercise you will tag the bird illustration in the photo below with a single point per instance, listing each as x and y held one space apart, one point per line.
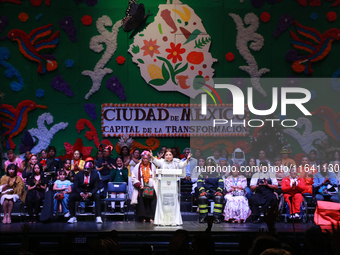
317 50
307 138
30 45
15 119
331 119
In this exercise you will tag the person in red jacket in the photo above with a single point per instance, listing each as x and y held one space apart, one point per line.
292 187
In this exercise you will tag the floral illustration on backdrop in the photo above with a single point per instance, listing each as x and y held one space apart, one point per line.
15 119
108 38
307 137
245 34
42 134
173 51
11 70
31 44
316 51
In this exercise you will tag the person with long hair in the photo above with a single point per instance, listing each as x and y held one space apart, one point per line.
126 156
77 164
28 171
12 188
119 174
237 208
43 158
169 162
63 188
36 186
12 159
144 175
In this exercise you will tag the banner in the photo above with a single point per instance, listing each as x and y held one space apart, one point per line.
171 120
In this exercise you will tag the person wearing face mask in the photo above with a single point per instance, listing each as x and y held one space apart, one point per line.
12 188
119 173
144 175
86 185
162 216
36 186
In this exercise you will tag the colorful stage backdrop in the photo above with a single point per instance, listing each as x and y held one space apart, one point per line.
61 60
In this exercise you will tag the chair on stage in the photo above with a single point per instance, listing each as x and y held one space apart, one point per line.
285 211
116 187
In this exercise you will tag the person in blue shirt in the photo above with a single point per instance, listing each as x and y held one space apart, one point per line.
190 174
62 186
325 184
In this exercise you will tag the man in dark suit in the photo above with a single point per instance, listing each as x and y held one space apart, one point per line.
86 185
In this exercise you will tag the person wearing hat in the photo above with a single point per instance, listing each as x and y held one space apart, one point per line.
105 165
237 208
210 186
86 185
263 183
285 151
53 164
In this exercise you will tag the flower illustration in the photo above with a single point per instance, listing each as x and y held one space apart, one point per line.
150 47
23 17
175 52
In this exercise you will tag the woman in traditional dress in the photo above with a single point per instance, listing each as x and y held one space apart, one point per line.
237 208
12 188
168 207
144 176
77 164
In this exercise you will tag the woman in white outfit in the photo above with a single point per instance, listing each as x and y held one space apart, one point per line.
168 207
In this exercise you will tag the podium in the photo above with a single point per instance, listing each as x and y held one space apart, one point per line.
168 200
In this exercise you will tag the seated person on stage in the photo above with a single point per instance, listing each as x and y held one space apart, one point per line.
224 168
86 185
119 173
263 184
216 156
210 186
190 174
77 164
238 157
281 171
63 188
307 172
237 207
262 158
292 187
53 164
325 184
285 160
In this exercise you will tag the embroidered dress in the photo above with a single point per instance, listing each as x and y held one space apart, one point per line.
237 207
14 192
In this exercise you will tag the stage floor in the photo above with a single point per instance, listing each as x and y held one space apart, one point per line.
131 226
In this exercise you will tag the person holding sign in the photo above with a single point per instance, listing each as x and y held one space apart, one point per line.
168 207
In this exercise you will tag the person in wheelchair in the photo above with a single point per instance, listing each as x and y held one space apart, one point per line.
292 187
210 186
325 184
263 184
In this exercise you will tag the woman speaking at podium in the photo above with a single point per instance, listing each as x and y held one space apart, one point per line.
168 207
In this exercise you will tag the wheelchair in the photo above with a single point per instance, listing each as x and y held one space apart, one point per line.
285 211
